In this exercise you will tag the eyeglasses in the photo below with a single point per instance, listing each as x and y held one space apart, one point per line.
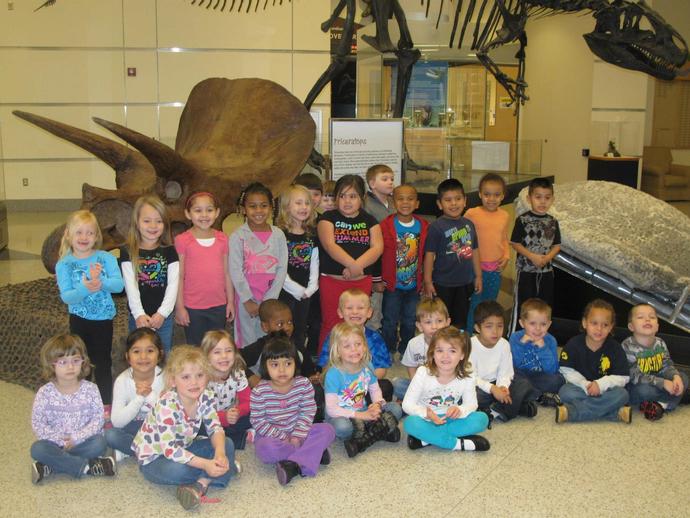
64 362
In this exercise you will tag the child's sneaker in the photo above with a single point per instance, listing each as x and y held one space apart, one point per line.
413 443
39 471
190 495
528 409
325 458
625 414
102 467
652 410
498 414
107 424
249 437
119 456
549 399
286 470
561 413
238 467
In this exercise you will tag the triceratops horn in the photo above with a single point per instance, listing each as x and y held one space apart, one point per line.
123 160
165 160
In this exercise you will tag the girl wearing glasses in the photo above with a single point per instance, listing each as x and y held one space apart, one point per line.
67 416
350 244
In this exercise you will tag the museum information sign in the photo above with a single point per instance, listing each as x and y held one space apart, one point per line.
357 144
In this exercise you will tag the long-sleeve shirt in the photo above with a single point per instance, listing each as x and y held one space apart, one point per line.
491 365
127 404
168 430
607 365
153 289
346 391
232 392
56 416
302 277
282 416
527 356
425 392
70 273
652 365
251 258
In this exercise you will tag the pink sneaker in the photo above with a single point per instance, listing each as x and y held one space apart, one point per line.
250 435
106 417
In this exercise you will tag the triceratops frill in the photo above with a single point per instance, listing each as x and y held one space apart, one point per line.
232 132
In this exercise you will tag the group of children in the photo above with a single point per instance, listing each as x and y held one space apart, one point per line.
307 287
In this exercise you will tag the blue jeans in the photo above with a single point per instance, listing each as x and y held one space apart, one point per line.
121 438
169 472
399 307
491 285
400 386
165 331
445 435
582 407
542 382
645 392
71 462
343 426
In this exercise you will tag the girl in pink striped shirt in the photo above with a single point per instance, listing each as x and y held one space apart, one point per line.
282 413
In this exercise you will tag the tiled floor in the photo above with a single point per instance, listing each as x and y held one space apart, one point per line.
534 468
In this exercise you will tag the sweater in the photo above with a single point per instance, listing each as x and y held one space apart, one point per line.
127 404
282 416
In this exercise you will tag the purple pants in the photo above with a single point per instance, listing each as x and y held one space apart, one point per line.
308 456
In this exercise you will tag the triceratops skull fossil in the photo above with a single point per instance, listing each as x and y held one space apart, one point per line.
232 132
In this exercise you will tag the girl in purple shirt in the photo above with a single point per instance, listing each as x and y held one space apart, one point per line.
67 416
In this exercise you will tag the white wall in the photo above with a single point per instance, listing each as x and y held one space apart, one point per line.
69 62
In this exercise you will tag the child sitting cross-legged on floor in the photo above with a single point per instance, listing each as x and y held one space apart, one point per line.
349 379
655 383
535 352
67 416
282 413
442 400
499 392
167 446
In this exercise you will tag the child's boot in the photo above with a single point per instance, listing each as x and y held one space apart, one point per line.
286 470
391 423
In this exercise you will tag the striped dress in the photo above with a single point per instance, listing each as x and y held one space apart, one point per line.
283 415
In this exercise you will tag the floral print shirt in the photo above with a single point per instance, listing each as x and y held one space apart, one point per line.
168 430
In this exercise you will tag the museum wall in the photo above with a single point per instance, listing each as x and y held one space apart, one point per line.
69 62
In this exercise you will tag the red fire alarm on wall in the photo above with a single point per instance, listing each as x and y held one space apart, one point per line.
131 72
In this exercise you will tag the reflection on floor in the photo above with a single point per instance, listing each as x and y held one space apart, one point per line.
534 468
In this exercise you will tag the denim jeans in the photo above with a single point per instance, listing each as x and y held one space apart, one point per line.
237 432
445 435
169 472
399 307
400 386
520 391
542 382
165 331
343 426
582 407
71 461
645 392
491 284
121 438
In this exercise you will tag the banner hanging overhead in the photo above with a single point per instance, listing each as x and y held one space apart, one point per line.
357 144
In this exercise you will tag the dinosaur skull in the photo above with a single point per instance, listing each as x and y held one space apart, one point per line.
633 36
231 133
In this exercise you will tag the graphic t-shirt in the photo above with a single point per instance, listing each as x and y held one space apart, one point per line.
152 276
608 360
300 247
352 234
407 254
538 234
453 241
350 388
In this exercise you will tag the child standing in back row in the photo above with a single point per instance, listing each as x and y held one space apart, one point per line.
296 218
537 239
205 293
87 277
451 262
491 223
258 261
404 236
151 268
